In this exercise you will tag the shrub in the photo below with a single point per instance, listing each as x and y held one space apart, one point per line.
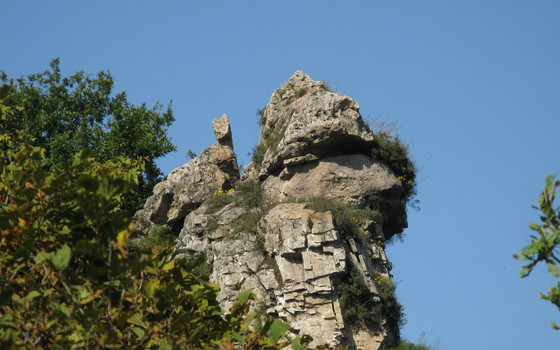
70 279
390 307
248 195
390 150
258 155
357 302
221 198
251 194
260 115
64 114
161 236
360 309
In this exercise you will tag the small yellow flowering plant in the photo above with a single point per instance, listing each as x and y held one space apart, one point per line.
221 191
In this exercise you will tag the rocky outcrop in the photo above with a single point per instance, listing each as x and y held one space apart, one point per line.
313 249
314 142
186 187
304 121
294 263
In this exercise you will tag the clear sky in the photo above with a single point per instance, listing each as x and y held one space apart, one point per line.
474 87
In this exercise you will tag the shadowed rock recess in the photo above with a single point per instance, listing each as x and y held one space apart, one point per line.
304 227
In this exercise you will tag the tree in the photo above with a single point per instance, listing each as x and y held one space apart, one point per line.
66 114
545 245
69 278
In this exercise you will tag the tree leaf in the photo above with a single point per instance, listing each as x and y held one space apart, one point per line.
137 320
553 269
244 296
62 257
169 266
42 257
277 330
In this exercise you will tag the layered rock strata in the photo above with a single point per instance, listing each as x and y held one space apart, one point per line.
296 259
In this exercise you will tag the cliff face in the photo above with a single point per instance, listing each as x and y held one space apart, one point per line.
305 227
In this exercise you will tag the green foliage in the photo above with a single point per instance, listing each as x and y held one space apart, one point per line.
248 195
404 344
221 198
270 140
191 154
390 307
258 155
357 302
390 150
66 114
360 309
69 278
347 218
251 194
161 236
544 246
260 115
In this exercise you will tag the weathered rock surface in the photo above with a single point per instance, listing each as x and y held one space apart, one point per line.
305 120
189 185
293 264
354 179
313 143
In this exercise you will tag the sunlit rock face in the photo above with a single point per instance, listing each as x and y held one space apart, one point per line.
298 257
186 187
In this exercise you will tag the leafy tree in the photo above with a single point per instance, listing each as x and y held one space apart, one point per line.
544 245
69 279
66 114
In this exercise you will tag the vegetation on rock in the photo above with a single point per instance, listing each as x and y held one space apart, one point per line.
390 150
357 302
360 308
348 219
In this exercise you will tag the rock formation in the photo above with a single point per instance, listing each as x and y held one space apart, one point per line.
312 248
189 185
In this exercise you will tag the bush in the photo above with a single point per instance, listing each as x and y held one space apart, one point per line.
390 307
357 302
390 150
360 309
161 236
260 115
545 243
258 155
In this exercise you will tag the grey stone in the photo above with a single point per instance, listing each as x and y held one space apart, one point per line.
189 185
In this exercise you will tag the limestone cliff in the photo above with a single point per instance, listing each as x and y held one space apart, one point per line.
305 226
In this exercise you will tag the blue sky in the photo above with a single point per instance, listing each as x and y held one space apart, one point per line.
474 87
